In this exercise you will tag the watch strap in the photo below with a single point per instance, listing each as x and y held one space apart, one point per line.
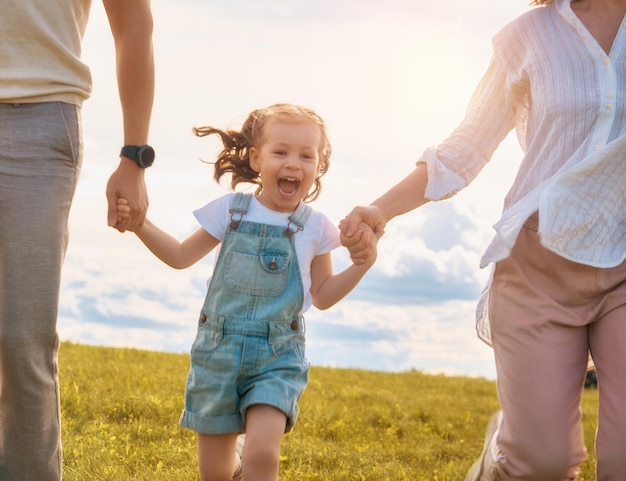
130 151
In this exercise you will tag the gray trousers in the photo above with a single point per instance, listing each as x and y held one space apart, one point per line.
40 158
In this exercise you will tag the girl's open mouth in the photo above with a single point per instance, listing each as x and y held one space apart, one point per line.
288 186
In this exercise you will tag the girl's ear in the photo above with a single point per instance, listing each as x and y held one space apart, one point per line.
255 164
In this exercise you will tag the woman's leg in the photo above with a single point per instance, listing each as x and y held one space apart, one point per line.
608 347
539 317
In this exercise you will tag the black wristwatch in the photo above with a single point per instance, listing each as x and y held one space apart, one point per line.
143 155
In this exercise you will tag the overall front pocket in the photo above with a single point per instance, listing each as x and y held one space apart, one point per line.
264 274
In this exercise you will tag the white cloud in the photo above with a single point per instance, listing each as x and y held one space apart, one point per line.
436 339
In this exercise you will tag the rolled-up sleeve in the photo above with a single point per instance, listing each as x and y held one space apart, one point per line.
490 116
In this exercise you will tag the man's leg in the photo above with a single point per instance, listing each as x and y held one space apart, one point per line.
40 154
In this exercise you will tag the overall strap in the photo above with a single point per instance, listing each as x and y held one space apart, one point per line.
298 219
239 208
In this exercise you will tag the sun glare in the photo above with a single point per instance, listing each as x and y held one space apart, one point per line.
437 81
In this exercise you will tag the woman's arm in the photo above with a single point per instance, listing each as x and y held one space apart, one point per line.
406 195
454 163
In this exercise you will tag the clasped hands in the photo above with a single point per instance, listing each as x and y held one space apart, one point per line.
357 229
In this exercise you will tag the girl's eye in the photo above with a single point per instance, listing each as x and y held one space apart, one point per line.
280 152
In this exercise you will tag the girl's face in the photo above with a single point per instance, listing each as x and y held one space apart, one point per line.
287 162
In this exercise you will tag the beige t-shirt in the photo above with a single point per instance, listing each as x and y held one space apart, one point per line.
41 49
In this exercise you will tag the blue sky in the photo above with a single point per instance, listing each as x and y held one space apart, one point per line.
389 81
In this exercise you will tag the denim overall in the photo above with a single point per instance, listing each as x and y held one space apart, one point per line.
250 343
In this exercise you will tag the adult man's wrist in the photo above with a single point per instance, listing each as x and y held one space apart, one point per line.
142 155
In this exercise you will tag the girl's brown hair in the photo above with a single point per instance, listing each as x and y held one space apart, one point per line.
547 2
235 156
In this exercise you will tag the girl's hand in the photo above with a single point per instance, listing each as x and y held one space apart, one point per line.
128 182
352 232
368 242
123 209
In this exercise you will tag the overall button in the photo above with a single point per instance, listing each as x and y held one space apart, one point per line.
202 317
294 325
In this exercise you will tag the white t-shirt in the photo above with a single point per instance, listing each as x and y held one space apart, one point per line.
318 237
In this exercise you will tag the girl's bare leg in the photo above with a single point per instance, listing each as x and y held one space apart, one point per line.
217 458
265 427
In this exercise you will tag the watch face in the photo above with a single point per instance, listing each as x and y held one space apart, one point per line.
145 156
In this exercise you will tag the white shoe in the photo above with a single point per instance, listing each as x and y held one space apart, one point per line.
484 468
238 476
241 440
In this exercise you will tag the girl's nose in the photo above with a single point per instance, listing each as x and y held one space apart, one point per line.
292 161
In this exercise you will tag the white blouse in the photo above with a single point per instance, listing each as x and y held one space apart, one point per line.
551 81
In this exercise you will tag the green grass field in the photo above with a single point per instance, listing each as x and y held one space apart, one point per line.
120 410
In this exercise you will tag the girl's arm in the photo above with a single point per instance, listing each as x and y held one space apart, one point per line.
170 250
174 253
328 288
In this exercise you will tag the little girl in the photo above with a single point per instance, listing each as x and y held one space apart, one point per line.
248 366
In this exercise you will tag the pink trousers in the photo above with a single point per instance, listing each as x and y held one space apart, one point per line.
547 314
